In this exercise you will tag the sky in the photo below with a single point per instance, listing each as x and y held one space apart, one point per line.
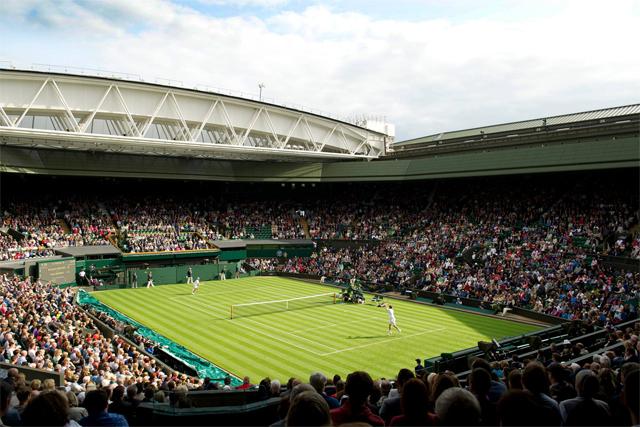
427 66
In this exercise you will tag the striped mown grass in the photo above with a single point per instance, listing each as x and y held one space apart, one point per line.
332 338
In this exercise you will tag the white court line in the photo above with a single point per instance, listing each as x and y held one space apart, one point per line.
257 331
380 342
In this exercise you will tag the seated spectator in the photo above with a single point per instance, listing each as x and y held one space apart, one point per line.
440 383
285 402
22 394
309 409
96 403
497 388
515 379
318 381
560 388
392 406
119 406
479 385
457 407
354 410
535 381
5 398
519 408
631 396
275 388
75 412
245 383
49 408
415 408
585 410
283 409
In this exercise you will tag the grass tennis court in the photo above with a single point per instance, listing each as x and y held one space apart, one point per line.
332 338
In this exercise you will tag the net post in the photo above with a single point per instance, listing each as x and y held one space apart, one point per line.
232 312
334 298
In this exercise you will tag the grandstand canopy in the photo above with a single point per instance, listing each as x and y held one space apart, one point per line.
623 114
83 113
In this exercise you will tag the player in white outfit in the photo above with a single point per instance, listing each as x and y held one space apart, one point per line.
195 286
392 320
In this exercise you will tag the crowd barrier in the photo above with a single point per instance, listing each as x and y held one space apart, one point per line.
31 374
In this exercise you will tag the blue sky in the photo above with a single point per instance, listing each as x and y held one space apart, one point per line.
428 66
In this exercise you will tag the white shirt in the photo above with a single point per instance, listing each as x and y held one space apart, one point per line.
391 316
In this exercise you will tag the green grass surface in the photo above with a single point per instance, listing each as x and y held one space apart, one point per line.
333 338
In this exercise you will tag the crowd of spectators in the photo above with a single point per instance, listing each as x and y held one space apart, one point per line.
541 213
40 328
163 242
264 264
88 223
547 390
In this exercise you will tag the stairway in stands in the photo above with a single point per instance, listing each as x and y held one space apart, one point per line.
103 210
63 224
305 226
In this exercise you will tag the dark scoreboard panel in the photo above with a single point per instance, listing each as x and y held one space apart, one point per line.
59 271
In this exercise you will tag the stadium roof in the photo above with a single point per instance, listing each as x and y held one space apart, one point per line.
526 124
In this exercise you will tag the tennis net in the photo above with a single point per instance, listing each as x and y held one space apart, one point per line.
267 307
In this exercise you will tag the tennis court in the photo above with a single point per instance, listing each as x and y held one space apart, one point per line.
311 335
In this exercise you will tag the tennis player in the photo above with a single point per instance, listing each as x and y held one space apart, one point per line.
195 286
392 319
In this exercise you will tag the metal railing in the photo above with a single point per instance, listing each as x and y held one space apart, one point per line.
85 71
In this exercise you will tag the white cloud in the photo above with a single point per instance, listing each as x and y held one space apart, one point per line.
427 77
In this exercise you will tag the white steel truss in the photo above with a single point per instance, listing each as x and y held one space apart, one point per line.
89 113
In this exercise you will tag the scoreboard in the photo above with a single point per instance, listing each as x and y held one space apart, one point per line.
60 271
